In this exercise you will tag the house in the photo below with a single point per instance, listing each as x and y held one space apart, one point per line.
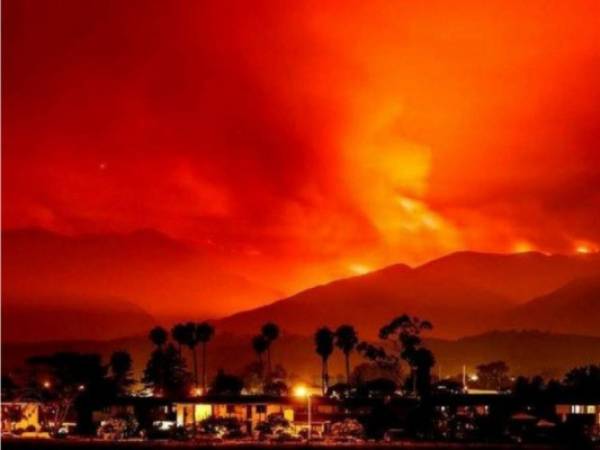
578 408
248 410
471 405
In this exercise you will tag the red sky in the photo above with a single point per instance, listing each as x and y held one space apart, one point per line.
306 140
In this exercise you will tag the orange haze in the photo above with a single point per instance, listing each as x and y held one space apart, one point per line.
295 142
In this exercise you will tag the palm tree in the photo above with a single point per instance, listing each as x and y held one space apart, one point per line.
204 333
260 345
270 331
179 333
346 339
324 339
191 341
158 336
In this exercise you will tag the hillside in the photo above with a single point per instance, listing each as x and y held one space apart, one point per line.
369 301
572 308
166 277
518 277
36 320
464 293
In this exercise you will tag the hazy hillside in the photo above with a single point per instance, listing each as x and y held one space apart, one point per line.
463 293
163 276
519 276
455 307
526 352
574 308
37 320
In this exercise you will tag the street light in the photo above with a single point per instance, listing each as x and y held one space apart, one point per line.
197 392
302 392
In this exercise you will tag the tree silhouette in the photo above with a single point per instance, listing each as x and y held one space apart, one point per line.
260 345
584 380
179 333
270 331
204 333
424 361
324 340
493 375
406 331
225 384
120 367
165 372
346 339
277 388
77 380
190 340
158 336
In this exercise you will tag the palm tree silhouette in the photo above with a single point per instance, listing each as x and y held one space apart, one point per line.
260 345
324 339
179 333
204 333
158 336
191 341
346 339
270 331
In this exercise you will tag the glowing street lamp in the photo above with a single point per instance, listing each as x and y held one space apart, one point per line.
301 391
46 384
81 387
197 392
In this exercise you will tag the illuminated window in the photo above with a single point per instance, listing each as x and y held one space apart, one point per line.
577 409
288 414
202 412
590 409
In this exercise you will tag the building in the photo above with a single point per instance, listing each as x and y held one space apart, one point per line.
577 408
249 410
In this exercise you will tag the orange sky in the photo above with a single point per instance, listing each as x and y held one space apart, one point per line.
302 141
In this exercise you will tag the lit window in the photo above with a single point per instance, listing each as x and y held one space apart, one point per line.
577 409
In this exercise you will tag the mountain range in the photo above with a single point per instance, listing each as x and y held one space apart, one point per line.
461 294
163 277
42 319
59 287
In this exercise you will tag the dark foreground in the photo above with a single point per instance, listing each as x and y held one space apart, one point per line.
56 444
